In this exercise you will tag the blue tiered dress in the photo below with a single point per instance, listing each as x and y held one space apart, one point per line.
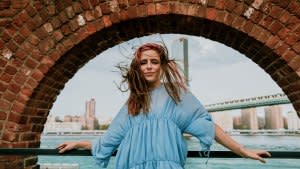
155 140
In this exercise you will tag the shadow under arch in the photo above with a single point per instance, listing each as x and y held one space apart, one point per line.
65 68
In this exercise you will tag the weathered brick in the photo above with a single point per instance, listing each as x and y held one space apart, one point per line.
91 28
46 45
220 4
5 77
70 12
58 35
54 55
51 10
12 46
211 13
48 27
162 8
9 96
14 87
68 44
291 39
10 70
289 55
114 17
275 27
10 136
272 41
37 75
20 78
296 47
19 4
24 31
85 4
89 15
21 98
55 22
44 67
151 9
31 63
106 20
228 18
2 62
105 8
73 25
292 22
141 11
36 54
266 21
281 49
230 5
27 91
19 145
63 17
66 29
4 105
295 63
41 33
18 108
294 8
264 36
30 10
5 36
3 115
123 4
132 12
283 33
284 17
77 7
28 137
19 39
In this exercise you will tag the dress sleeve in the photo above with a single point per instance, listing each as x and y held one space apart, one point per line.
104 147
197 120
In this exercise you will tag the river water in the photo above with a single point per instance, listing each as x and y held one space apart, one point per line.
270 143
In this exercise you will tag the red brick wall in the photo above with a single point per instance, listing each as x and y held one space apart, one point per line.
44 43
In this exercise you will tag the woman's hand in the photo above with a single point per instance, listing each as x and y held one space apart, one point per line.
66 146
255 154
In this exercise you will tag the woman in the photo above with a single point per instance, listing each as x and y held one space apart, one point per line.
148 129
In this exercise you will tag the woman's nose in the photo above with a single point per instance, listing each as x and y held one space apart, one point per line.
149 65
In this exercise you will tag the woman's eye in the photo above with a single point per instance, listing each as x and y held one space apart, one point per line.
143 62
155 62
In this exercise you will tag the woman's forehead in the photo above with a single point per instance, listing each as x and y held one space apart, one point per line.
150 54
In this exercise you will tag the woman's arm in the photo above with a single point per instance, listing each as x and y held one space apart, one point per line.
66 146
224 139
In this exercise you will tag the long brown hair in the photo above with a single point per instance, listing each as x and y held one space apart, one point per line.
139 97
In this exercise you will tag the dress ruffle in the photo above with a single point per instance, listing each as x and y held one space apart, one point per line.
155 140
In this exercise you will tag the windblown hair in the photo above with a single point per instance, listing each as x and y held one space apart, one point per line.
171 77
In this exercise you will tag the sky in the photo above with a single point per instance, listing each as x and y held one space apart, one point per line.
217 73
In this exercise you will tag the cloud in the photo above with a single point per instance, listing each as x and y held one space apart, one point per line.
217 73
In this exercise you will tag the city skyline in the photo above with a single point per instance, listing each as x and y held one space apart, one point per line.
217 73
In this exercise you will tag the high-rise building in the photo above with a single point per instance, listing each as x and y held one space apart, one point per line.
223 119
249 118
293 120
261 122
67 118
89 116
237 122
273 117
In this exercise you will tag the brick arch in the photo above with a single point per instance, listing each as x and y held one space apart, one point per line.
43 44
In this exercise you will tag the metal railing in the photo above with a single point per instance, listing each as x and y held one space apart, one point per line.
191 154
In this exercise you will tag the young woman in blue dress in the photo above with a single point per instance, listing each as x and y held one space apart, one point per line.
148 129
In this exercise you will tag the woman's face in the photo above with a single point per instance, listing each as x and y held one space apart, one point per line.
151 67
